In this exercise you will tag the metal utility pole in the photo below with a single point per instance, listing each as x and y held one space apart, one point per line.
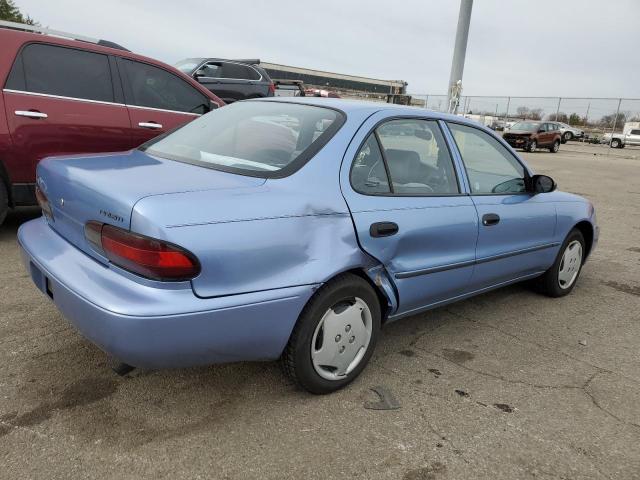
459 52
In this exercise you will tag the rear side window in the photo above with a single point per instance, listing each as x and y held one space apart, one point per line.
241 72
368 173
66 72
153 87
413 153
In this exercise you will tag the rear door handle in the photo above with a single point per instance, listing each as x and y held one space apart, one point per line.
152 125
490 219
30 114
383 229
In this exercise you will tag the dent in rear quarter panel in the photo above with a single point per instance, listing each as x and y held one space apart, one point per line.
256 255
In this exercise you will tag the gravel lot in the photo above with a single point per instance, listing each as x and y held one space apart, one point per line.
506 385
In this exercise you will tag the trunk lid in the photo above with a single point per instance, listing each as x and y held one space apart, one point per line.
106 188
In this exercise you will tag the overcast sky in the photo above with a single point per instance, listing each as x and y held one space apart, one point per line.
518 47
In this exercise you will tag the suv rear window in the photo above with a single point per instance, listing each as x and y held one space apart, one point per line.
62 71
262 139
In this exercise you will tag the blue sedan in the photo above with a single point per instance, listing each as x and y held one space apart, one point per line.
294 229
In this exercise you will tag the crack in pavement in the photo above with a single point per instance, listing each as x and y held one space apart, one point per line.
544 347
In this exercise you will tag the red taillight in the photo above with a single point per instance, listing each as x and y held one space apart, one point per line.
272 88
149 257
43 201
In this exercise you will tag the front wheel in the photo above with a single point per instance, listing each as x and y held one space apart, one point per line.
615 143
532 146
566 137
335 336
560 279
555 147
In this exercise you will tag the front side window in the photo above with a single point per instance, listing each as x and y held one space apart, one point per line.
490 167
255 138
154 87
635 132
66 72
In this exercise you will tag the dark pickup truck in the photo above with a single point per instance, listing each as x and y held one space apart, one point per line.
230 80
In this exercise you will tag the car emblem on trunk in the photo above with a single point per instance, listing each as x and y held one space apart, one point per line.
112 216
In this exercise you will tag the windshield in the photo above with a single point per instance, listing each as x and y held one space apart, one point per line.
252 137
188 65
526 126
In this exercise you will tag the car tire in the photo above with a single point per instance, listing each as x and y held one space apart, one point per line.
555 147
567 136
326 331
4 201
532 146
615 143
563 275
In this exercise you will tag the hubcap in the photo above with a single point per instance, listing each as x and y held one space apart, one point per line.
341 339
533 146
570 264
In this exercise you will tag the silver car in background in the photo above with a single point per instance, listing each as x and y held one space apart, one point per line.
568 132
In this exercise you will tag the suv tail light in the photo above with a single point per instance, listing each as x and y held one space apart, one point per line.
43 201
146 256
272 88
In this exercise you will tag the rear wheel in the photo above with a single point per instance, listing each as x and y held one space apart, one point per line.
560 279
4 202
335 336
555 147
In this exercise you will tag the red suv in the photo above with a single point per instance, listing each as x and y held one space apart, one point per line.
78 95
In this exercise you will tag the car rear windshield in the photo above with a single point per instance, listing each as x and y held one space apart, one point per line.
258 138
188 65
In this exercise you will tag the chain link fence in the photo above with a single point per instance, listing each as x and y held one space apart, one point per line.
595 116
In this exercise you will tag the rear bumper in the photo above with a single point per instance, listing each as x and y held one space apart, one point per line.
157 325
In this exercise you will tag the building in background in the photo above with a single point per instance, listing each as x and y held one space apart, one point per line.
344 85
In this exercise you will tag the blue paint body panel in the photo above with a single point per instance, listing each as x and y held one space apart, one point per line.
161 325
266 245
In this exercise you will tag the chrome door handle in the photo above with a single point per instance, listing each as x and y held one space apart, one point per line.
150 125
27 113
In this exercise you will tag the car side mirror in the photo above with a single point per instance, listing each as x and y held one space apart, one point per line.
542 184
